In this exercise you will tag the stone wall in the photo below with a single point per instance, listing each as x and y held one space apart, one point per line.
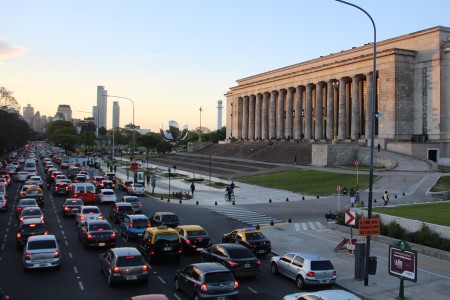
333 155
194 147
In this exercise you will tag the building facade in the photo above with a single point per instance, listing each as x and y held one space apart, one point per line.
66 111
330 98
101 107
115 114
28 114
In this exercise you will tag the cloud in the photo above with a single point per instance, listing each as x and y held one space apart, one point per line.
7 50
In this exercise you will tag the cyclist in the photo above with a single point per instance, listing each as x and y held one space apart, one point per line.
229 191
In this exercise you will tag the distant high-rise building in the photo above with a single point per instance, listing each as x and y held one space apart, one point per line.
43 123
36 122
116 114
219 114
101 106
66 111
28 113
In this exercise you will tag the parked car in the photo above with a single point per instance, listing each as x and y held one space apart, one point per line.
239 259
251 238
193 238
88 213
106 195
41 251
136 189
160 242
169 219
322 295
305 269
134 201
119 210
123 186
27 228
97 233
132 226
124 264
71 206
207 281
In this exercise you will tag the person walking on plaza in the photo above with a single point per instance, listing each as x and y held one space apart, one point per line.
148 179
232 185
385 198
192 188
352 197
115 169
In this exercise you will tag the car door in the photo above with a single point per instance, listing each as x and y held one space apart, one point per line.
296 266
284 263
186 278
106 260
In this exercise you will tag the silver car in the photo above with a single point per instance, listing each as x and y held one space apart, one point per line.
305 269
323 295
41 251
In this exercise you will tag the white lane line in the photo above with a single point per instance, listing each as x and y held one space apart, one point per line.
297 227
62 232
7 229
75 270
162 280
60 226
67 244
81 285
3 246
255 292
304 226
176 296
70 255
311 225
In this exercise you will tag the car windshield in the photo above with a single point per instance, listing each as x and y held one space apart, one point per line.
130 261
34 192
169 218
27 202
32 227
93 227
193 233
132 199
140 223
44 244
240 253
254 236
218 277
108 193
91 211
166 237
321 265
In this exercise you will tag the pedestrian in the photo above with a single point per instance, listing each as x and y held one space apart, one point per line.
192 188
357 197
352 197
385 198
148 179
344 191
115 168
379 147
232 185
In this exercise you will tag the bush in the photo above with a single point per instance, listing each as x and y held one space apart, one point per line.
395 231
427 237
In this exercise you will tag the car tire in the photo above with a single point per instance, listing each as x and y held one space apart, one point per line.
274 269
177 284
110 281
299 282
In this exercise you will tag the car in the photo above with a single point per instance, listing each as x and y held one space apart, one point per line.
106 195
27 228
37 180
124 264
7 178
85 174
97 233
110 176
4 190
31 212
80 178
3 203
322 295
207 281
54 174
160 242
24 189
133 200
251 238
167 218
119 210
36 193
193 238
136 189
32 171
41 251
65 164
149 297
306 269
71 206
132 226
238 258
21 176
123 186
61 188
26 202
97 180
105 184
87 213
60 177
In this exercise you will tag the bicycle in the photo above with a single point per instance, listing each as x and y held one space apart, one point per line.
229 198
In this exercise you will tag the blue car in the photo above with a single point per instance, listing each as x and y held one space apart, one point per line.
133 226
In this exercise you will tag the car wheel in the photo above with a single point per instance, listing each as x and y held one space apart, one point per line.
110 281
177 284
274 269
300 282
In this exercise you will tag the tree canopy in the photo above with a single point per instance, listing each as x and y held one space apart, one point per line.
8 100
14 132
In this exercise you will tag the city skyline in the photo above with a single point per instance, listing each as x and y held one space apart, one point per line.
172 62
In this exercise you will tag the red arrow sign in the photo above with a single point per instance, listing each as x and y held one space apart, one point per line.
349 218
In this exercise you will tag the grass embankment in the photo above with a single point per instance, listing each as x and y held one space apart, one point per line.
308 182
442 185
435 213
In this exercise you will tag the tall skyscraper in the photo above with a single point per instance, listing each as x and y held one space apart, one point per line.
116 114
66 111
28 114
101 106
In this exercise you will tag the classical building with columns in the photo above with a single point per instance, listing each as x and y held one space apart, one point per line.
329 99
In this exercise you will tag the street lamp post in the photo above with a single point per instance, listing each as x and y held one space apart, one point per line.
372 137
200 136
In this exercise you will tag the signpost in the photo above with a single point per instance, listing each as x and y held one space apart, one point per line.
338 189
350 220
403 264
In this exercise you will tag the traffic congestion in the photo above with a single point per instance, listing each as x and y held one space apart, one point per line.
74 231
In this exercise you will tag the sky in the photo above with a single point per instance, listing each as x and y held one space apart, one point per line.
172 57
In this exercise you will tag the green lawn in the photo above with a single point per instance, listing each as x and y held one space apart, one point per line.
435 213
442 185
309 182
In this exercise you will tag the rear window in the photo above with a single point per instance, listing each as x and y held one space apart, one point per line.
218 277
125 208
32 227
239 253
138 185
169 218
140 223
196 233
321 265
28 202
46 244
166 237
132 200
99 227
108 193
254 236
130 261
31 212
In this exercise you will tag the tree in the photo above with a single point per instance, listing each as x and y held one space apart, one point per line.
14 132
149 140
62 133
8 100
164 147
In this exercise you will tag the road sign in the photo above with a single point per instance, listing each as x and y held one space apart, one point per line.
349 217
338 188
403 263
369 227
356 163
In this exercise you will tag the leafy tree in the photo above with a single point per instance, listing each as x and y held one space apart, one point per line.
8 100
149 140
14 132
164 147
62 132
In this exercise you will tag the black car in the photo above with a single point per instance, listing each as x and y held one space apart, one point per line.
193 238
123 186
61 189
251 238
239 259
27 228
97 233
71 206
120 210
165 218
207 281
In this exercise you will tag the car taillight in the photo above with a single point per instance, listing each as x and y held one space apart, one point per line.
116 270
66 208
310 274
140 204
21 218
89 236
56 254
188 241
258 262
27 256
232 264
144 268
113 235
18 235
236 285
200 239
100 217
19 208
203 288
334 273
82 217
131 224
45 233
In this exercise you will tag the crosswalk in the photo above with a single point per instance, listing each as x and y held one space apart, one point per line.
244 215
304 226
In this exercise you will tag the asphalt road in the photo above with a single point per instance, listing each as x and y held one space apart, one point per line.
79 276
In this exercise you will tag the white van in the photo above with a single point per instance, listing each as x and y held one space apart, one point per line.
30 164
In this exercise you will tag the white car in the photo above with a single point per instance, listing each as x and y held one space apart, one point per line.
323 295
87 213
106 195
60 177
41 251
32 171
38 180
135 189
22 176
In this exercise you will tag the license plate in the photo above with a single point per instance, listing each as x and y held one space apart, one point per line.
167 248
101 244
131 277
220 298
200 249
262 251
324 281
247 265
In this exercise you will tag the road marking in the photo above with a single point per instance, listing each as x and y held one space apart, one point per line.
176 296
67 244
3 246
162 280
304 226
255 292
70 255
60 226
62 232
81 285
7 229
75 270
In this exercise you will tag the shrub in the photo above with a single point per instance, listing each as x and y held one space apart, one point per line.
395 231
427 237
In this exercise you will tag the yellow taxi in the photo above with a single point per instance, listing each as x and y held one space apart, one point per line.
250 237
160 242
193 238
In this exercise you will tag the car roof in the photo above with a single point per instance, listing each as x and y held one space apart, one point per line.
42 237
191 227
90 206
138 216
231 246
123 204
32 221
71 199
149 297
208 267
106 190
96 222
122 251
131 197
162 229
165 213
309 256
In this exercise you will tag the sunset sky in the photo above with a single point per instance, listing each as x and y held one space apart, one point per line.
173 57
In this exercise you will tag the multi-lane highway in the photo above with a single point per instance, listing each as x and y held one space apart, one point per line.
79 276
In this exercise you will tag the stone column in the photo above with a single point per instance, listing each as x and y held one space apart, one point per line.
272 115
308 112
330 110
251 117
280 113
355 130
289 114
368 129
342 129
240 104
245 118
318 135
298 130
265 116
258 105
